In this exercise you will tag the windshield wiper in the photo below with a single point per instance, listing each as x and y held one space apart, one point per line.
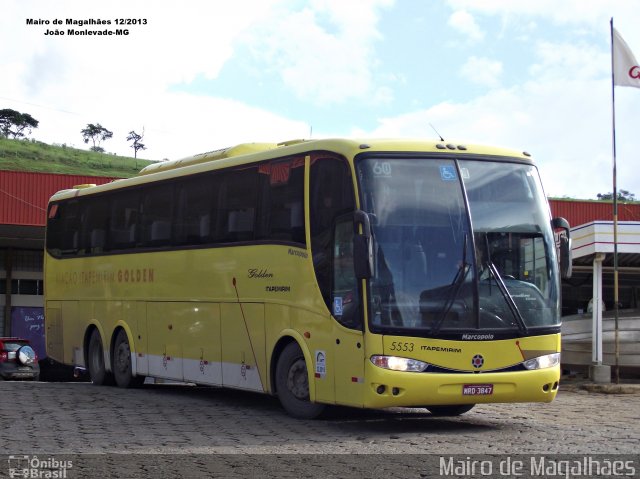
507 296
459 278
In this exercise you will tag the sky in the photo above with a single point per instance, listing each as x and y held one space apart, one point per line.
533 75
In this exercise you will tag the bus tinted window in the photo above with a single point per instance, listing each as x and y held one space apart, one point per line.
156 212
331 196
258 203
94 219
284 191
237 200
195 220
124 226
63 236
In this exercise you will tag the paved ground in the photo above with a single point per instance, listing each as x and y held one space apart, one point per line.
182 431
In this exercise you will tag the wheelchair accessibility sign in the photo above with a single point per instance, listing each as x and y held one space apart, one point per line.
448 173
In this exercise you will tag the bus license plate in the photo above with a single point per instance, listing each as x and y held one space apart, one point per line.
477 389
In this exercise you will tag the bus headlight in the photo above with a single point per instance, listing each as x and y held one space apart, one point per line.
543 362
399 364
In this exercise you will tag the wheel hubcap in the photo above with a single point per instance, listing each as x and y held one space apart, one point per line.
123 357
297 380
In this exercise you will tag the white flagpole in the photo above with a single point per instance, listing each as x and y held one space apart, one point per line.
615 215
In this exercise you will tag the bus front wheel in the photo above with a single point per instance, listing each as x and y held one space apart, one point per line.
122 369
97 371
454 410
292 383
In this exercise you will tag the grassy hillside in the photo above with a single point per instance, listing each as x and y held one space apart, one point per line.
31 155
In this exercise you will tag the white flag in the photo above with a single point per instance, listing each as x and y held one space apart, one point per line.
626 69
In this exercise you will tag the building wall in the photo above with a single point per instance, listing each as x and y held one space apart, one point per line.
25 285
578 290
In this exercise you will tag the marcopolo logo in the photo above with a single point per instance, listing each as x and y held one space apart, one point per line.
476 337
36 467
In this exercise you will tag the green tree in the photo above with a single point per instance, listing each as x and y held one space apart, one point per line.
96 133
13 123
137 144
623 195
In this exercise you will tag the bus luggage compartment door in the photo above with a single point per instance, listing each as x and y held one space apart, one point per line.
243 348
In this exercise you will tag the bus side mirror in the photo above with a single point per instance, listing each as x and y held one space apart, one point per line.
362 246
566 260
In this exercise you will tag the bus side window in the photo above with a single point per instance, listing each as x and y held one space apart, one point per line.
238 205
194 221
95 214
63 229
124 220
285 192
157 204
345 296
331 196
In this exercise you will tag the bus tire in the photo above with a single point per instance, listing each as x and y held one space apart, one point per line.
292 384
122 370
95 361
454 410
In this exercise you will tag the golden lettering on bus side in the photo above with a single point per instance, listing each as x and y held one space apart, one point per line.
87 277
92 277
143 275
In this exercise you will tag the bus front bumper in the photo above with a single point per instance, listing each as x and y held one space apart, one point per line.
405 389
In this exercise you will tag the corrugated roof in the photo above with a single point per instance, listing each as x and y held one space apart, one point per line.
578 212
24 195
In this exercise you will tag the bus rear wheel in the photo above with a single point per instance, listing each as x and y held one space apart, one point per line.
122 369
97 371
292 384
455 410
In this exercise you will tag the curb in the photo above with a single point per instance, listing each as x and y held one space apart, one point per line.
612 388
600 388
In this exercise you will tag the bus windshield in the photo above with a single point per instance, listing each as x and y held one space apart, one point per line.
460 245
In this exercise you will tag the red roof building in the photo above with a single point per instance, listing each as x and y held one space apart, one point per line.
579 212
23 203
24 195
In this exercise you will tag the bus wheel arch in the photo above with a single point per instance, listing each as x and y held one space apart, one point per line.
275 355
291 380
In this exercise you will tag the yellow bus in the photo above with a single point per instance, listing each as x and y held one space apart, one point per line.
381 273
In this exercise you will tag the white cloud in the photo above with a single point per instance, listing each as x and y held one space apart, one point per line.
482 71
578 61
566 11
171 47
463 22
523 15
323 52
125 82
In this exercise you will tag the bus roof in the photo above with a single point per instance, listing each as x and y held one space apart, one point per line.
246 153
